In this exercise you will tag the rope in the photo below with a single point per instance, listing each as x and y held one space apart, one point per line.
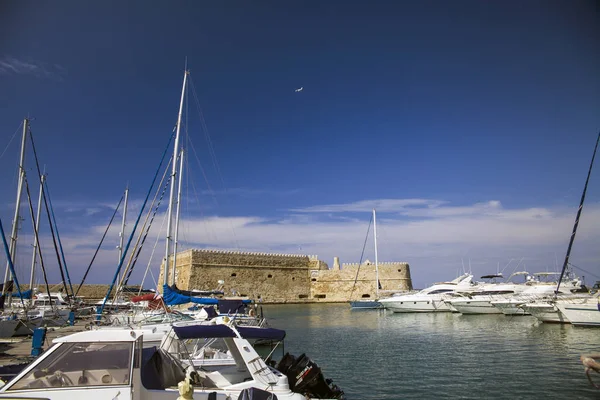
361 256
98 248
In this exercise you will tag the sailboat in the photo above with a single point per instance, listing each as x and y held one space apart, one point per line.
364 304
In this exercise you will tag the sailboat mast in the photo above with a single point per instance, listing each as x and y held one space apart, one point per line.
572 239
15 225
37 229
376 259
177 213
122 233
173 176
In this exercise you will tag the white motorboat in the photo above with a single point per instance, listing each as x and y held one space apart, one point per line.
480 302
430 299
581 312
113 364
538 290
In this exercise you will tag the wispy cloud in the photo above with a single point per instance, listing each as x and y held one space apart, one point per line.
383 205
250 192
13 66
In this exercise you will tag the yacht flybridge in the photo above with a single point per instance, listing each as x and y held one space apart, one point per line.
430 299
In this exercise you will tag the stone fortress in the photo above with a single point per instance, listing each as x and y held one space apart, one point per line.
285 278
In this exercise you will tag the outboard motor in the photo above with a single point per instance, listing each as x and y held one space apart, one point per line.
305 377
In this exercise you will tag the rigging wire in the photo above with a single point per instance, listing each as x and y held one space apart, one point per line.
361 255
206 227
134 229
158 236
121 283
137 247
39 246
147 231
58 236
10 263
587 272
213 155
99 245
60 267
562 273
11 139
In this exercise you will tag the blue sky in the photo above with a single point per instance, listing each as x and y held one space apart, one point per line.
469 125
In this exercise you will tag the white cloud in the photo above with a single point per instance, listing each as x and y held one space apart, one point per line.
433 240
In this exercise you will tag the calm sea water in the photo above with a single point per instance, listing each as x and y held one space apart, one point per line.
375 354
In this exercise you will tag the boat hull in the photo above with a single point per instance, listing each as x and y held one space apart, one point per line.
476 307
546 313
417 306
510 308
586 314
365 305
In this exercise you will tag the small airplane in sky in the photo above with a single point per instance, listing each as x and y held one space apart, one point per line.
299 89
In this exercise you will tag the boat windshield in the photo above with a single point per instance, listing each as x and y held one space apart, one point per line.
81 364
162 318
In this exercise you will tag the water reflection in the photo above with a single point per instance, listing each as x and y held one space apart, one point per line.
375 354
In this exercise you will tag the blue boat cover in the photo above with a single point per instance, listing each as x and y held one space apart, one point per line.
213 331
173 298
24 295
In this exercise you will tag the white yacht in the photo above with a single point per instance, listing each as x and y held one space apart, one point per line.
480 302
430 299
581 312
539 289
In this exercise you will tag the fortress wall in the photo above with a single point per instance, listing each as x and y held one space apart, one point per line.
340 286
284 278
271 278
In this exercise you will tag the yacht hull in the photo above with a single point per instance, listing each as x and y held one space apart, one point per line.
416 306
546 313
586 314
476 307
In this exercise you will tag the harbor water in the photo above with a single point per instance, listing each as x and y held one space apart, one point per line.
376 354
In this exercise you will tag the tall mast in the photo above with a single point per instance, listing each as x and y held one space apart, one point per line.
173 176
572 239
15 225
376 260
37 229
176 235
122 233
